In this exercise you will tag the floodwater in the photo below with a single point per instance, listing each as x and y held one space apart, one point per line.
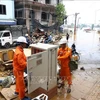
88 45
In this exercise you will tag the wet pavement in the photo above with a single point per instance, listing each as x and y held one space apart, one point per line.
86 83
86 86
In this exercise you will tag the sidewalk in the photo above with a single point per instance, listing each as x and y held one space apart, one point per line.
86 85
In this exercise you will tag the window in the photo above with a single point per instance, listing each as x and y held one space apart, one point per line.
3 9
58 1
47 1
6 34
44 16
20 13
31 14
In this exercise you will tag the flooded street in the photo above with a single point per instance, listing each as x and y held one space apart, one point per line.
88 45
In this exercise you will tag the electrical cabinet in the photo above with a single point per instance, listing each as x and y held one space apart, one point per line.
42 67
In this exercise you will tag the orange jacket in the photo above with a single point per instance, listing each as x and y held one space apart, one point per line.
19 60
64 56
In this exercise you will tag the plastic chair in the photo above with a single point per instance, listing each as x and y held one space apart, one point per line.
41 97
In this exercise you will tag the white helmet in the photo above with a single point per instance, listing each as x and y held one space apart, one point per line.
62 41
22 39
26 34
41 30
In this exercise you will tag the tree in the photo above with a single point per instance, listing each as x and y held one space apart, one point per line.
61 13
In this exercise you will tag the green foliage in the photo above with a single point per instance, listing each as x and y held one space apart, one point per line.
60 12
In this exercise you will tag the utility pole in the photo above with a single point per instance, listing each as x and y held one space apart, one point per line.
75 26
67 17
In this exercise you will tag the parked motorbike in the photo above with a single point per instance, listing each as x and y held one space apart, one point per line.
74 59
75 54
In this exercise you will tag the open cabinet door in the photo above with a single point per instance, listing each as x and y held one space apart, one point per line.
37 70
52 68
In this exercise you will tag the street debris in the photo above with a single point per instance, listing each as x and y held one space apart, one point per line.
8 93
8 81
98 68
82 68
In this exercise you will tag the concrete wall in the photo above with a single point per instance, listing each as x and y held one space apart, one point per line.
9 9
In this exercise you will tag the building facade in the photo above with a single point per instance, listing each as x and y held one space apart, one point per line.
7 14
40 10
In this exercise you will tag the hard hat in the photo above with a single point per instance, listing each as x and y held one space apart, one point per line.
41 30
26 34
62 41
21 39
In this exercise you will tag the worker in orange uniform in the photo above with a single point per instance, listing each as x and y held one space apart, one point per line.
64 56
19 65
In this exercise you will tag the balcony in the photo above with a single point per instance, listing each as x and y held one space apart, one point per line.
34 3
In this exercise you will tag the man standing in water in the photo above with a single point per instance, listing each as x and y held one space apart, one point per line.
64 56
67 36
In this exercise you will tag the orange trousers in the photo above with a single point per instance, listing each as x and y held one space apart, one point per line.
65 74
20 84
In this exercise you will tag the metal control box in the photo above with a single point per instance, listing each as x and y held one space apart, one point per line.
42 67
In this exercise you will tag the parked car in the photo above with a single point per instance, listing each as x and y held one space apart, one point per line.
87 29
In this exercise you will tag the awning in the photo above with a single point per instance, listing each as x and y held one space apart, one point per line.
7 22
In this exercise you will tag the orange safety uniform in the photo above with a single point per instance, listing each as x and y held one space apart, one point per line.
19 65
64 56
